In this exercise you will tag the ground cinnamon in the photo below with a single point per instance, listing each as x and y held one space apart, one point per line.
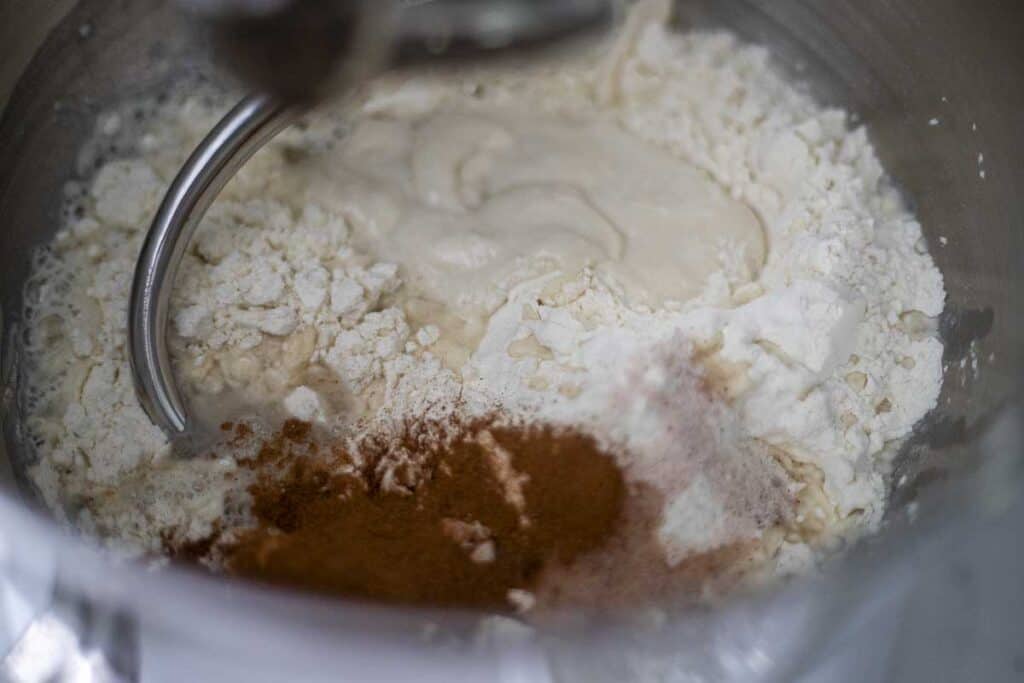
442 529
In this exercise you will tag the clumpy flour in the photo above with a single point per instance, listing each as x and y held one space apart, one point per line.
664 266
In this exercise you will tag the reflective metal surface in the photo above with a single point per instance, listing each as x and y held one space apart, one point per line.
239 135
296 49
897 64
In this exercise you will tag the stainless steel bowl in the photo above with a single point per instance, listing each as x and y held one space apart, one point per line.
896 63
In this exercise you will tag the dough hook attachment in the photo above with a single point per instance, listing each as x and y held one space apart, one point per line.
239 135
465 29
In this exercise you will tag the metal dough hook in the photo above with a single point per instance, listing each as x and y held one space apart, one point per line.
420 32
239 135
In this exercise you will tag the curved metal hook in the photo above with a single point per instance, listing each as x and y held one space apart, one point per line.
243 131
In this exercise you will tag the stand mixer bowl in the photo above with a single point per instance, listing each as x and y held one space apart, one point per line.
896 65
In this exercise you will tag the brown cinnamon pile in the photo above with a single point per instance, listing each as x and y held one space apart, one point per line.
462 521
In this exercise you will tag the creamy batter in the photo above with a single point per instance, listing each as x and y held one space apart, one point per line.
469 201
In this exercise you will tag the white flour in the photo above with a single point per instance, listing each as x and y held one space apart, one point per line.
411 268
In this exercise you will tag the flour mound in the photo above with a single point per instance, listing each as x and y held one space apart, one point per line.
760 403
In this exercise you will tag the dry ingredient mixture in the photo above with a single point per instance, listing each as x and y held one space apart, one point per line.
642 323
458 538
